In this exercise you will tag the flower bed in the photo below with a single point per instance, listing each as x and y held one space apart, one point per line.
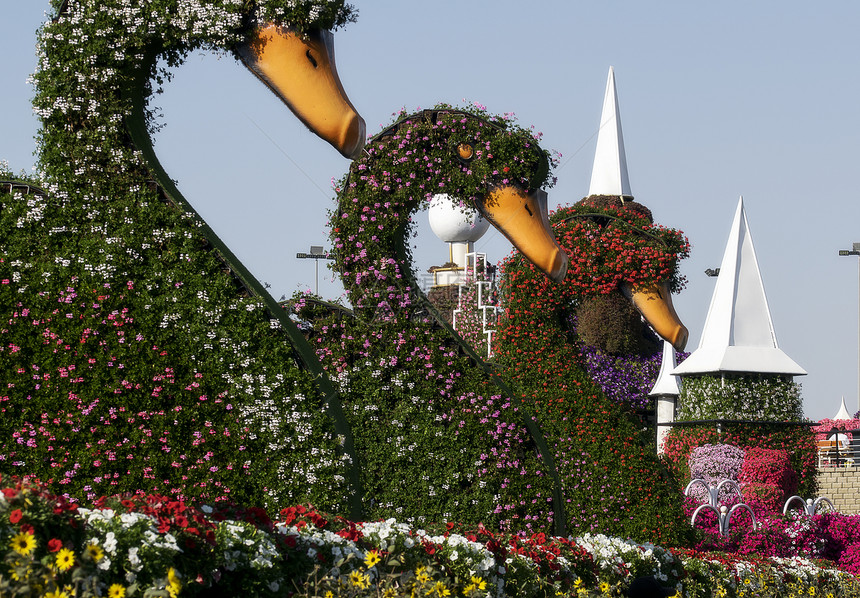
156 546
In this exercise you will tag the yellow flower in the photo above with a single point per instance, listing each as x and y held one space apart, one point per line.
174 584
359 580
116 591
57 594
65 559
372 558
94 552
479 583
329 594
440 589
421 575
578 582
23 544
604 587
812 590
388 593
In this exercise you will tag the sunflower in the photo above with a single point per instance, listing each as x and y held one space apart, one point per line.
372 558
94 552
116 591
65 559
23 544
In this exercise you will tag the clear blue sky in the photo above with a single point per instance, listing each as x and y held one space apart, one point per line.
717 100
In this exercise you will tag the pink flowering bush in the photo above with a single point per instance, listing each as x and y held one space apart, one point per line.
768 475
825 427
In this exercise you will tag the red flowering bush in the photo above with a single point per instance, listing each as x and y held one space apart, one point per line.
769 475
797 441
849 560
763 497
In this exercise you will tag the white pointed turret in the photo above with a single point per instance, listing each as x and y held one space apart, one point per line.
667 384
739 335
843 411
666 391
609 173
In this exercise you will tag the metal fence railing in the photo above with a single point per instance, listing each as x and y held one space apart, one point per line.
840 448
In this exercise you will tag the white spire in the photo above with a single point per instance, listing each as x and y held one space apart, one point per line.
739 334
609 174
666 383
843 411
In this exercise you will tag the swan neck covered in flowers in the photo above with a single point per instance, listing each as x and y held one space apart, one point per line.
484 161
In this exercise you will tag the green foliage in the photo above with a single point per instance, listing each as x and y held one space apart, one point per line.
611 323
748 397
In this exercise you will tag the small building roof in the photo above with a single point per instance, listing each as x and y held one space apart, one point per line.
738 334
666 384
609 173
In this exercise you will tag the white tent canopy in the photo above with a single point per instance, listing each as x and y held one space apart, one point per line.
843 412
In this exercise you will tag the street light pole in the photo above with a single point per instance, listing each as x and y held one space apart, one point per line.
855 250
317 253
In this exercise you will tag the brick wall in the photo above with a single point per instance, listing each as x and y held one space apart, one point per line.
842 486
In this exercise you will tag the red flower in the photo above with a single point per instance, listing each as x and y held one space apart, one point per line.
54 545
15 516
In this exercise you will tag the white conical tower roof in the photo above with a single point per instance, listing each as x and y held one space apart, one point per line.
739 335
843 412
609 174
667 384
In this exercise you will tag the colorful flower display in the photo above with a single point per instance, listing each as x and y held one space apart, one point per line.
132 358
605 459
154 545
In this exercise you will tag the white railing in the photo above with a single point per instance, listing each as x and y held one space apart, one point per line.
489 311
840 450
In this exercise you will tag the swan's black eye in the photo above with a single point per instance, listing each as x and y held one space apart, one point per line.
312 60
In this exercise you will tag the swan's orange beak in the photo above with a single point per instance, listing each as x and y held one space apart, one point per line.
523 218
300 69
654 302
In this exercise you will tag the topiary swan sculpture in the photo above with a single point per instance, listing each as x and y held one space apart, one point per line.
138 353
604 455
420 402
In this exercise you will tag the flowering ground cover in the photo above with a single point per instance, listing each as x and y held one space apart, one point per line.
150 545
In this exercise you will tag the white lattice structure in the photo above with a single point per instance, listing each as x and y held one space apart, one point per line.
485 301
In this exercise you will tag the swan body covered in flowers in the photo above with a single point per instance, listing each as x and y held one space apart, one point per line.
543 342
419 401
138 352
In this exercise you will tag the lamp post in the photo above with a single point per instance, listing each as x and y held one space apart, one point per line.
855 250
317 253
